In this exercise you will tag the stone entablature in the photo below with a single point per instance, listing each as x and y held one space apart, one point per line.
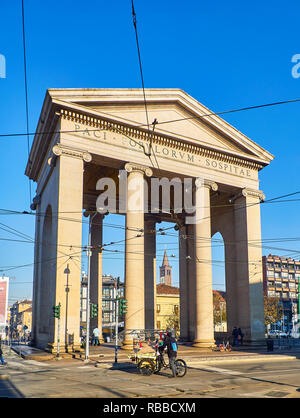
139 134
243 159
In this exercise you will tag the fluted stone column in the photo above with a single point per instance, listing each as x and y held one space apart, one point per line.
204 327
134 251
150 273
96 272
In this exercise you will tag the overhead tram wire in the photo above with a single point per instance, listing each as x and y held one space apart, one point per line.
16 134
155 122
140 61
26 92
12 212
148 154
242 109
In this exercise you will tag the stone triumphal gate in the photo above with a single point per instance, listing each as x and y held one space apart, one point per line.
84 135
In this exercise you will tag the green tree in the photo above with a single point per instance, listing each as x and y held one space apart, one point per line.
272 310
220 314
173 322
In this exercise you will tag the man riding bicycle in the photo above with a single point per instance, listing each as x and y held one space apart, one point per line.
171 345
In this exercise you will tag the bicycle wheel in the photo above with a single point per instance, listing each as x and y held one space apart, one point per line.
157 367
181 368
145 367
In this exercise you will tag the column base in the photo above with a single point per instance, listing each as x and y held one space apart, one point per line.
128 345
204 344
63 349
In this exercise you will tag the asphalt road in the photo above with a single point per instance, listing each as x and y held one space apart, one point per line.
75 379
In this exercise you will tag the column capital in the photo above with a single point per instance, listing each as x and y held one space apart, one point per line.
206 183
254 193
249 192
59 150
130 167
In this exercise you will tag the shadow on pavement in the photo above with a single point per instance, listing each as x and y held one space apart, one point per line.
8 389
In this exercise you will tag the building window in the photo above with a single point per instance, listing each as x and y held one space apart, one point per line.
270 273
292 285
277 275
291 276
158 324
157 308
106 317
271 293
176 309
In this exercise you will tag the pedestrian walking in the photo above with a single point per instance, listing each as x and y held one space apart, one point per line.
241 336
171 345
1 357
235 334
270 343
96 333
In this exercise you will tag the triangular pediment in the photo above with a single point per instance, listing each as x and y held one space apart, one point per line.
178 115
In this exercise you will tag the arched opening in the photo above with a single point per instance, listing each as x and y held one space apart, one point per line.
47 273
167 278
219 283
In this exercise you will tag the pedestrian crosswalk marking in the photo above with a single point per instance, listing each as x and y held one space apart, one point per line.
38 363
215 369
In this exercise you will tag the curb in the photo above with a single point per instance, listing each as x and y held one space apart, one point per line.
240 359
125 364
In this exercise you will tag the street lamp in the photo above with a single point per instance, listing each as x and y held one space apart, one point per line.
67 272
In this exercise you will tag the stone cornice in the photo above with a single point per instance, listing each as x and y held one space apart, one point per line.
166 140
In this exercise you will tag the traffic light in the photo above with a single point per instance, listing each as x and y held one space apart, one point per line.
122 306
56 311
94 310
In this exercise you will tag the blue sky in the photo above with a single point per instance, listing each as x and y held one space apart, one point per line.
225 54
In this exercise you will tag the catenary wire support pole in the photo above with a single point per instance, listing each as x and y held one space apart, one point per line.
58 337
116 327
298 316
87 342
